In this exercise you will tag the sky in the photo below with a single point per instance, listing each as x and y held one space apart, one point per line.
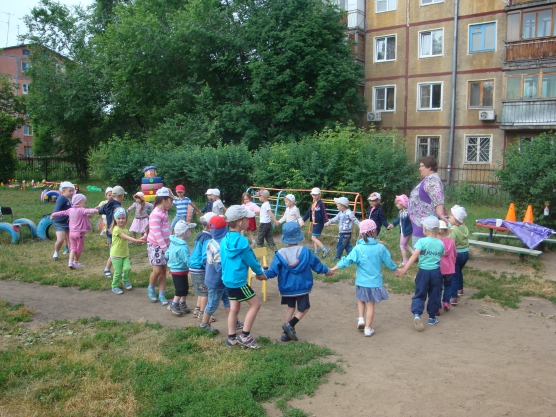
13 12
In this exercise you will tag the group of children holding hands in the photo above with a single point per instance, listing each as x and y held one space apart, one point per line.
221 255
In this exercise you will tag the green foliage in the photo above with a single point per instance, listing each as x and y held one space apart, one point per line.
529 175
44 143
8 143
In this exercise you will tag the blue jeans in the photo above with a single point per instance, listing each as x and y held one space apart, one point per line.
427 283
214 297
457 280
177 219
447 284
344 242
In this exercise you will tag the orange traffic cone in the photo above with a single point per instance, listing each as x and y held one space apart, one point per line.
529 214
510 215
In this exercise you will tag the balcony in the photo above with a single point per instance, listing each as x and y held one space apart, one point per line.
528 114
529 49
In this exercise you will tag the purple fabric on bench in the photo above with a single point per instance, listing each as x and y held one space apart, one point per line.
529 233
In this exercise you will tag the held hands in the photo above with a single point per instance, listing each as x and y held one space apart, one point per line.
327 224
390 226
330 273
400 272
261 277
301 223
276 223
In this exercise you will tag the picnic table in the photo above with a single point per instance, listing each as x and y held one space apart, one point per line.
492 228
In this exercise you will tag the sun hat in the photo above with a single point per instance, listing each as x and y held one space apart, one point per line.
118 190
290 197
342 200
315 191
77 198
140 195
264 193
442 224
209 192
108 190
206 218
291 233
459 213
374 196
182 226
119 211
217 222
430 223
403 200
180 188
237 213
66 184
216 191
163 192
367 226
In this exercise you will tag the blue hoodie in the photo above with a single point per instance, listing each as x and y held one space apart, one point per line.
198 259
177 255
237 257
294 275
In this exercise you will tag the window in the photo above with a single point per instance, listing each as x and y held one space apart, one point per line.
480 93
427 2
27 151
477 149
431 43
482 38
531 23
428 145
385 48
385 5
27 130
532 85
385 98
430 96
25 66
26 52
24 88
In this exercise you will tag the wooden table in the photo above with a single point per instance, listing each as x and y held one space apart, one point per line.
492 228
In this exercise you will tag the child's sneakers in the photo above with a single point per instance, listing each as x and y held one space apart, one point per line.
285 337
446 305
70 265
360 323
232 342
66 251
152 295
290 331
248 342
325 252
175 308
78 264
117 290
107 274
184 309
208 328
369 331
162 299
454 301
196 312
127 285
432 321
239 325
460 293
418 323
200 317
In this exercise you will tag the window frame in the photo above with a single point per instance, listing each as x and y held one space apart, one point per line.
431 3
420 34
27 65
481 82
376 38
521 75
417 144
441 83
536 10
387 10
478 136
29 130
25 88
385 98
483 24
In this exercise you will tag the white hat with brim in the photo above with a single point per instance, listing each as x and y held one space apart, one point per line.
209 191
342 200
237 213
66 184
182 227
315 191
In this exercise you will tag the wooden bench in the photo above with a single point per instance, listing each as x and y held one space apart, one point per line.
508 237
506 248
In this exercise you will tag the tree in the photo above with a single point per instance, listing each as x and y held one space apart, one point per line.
10 108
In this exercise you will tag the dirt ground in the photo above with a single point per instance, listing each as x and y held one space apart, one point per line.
479 360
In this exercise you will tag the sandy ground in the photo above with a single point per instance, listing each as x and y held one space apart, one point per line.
479 360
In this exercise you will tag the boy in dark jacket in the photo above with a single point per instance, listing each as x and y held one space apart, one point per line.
376 213
293 266
317 215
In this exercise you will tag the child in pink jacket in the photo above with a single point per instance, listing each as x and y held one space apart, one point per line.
447 265
79 224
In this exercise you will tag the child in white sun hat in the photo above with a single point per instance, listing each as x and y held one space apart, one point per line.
345 220
292 212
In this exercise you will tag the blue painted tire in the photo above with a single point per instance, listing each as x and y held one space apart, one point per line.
152 180
44 227
45 197
7 227
31 224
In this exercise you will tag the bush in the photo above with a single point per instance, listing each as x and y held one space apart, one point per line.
529 175
8 143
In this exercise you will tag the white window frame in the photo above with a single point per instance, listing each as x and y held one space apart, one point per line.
419 85
387 9
25 64
469 51
478 135
418 137
27 130
375 109
431 2
420 34
25 88
469 106
376 49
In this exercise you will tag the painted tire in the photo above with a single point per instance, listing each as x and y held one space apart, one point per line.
7 227
151 180
150 188
150 198
43 228
46 196
31 224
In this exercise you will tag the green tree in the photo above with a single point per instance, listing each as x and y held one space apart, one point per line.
10 108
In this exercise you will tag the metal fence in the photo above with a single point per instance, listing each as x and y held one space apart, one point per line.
48 168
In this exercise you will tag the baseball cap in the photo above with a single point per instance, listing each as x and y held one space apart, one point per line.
216 191
182 227
291 197
430 223
108 190
209 191
161 192
217 222
117 190
315 191
206 218
66 184
180 188
237 213
342 200
374 196
264 193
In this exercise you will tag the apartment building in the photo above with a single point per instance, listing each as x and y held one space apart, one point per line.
14 62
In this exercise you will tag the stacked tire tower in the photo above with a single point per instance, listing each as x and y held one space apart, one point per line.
150 183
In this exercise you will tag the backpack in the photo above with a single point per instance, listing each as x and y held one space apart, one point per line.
213 252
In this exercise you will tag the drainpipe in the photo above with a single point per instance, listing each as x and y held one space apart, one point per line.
454 73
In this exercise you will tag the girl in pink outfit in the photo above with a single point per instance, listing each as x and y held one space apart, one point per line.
141 219
447 265
247 201
79 224
158 241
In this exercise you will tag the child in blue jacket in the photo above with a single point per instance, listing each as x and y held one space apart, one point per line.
293 266
317 214
376 213
406 228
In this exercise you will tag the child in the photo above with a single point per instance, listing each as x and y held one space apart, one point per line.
292 212
102 222
119 251
213 279
368 255
208 206
79 224
197 266
293 265
428 251
141 219
182 204
318 216
217 205
108 209
265 227
61 223
237 257
249 205
158 241
447 265
177 256
406 229
460 235
376 213
345 220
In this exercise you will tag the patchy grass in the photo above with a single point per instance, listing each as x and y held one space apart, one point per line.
103 367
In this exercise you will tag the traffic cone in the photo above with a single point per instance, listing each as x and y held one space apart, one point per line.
510 215
528 215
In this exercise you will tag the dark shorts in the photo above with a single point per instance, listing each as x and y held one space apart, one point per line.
181 284
317 229
302 302
61 227
241 294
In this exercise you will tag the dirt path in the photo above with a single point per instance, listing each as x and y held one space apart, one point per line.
480 360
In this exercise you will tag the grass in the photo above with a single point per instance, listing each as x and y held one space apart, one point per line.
94 367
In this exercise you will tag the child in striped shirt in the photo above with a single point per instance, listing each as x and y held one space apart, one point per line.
182 204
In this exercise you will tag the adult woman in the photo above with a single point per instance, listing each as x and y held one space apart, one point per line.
427 198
